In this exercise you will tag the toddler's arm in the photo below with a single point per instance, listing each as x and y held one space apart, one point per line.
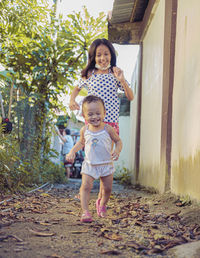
118 143
78 146
73 105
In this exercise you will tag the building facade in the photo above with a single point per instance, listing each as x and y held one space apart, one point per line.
164 122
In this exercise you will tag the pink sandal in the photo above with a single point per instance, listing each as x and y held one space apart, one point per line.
98 206
102 211
86 217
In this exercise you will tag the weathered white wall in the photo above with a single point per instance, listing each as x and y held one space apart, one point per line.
124 133
185 178
152 70
133 119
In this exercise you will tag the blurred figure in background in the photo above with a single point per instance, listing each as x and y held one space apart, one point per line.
68 144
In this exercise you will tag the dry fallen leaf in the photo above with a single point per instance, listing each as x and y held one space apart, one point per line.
104 229
114 252
70 213
45 223
54 256
10 236
44 194
79 232
158 236
113 236
196 230
155 251
133 245
38 233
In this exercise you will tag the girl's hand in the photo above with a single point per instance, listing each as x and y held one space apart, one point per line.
115 155
73 105
118 73
70 157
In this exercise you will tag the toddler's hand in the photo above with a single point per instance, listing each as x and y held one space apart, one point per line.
70 157
73 105
115 155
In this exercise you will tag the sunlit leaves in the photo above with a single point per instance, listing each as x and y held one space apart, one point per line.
85 29
44 56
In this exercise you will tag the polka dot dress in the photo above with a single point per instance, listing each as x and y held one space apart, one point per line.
104 86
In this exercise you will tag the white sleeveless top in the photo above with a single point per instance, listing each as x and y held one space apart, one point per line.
98 146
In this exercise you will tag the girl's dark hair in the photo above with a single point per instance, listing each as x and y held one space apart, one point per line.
92 54
92 98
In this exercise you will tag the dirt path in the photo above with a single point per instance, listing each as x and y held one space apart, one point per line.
46 223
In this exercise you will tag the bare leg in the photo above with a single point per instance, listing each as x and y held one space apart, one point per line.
67 170
100 187
100 190
86 186
106 189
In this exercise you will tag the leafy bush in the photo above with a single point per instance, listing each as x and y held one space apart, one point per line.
53 173
123 175
13 172
17 174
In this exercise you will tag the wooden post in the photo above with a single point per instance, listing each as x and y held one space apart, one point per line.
168 83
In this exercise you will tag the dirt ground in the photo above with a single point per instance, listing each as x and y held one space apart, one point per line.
46 223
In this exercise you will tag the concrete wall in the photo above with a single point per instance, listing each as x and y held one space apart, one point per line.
124 133
133 119
185 171
152 70
185 151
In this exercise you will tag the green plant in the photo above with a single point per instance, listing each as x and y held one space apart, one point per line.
42 54
62 121
123 175
53 173
13 171
17 174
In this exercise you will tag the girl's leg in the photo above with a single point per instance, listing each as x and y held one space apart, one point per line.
100 187
100 191
106 192
68 171
86 186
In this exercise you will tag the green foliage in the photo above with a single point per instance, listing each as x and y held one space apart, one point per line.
62 121
184 200
42 57
85 29
13 172
53 173
123 175
17 174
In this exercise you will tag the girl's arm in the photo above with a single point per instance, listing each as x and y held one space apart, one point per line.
73 105
78 146
118 73
127 90
116 139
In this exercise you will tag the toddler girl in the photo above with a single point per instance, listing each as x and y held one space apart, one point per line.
97 138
